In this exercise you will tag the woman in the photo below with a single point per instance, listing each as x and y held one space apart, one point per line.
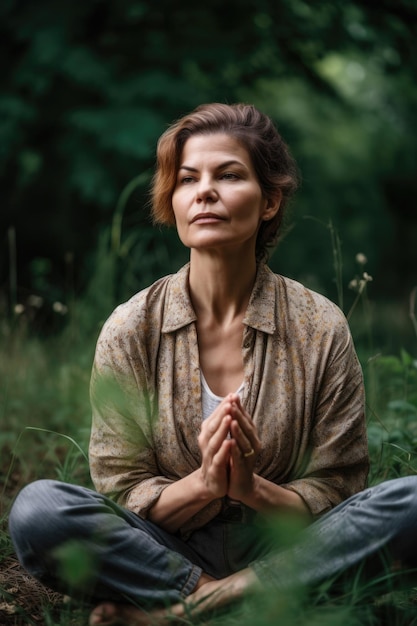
221 394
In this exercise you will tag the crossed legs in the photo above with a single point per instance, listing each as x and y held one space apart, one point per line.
149 567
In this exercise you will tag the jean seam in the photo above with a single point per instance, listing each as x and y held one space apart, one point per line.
192 581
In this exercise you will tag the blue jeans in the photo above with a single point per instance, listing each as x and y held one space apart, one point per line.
136 561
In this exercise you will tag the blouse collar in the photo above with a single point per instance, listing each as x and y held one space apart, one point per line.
260 314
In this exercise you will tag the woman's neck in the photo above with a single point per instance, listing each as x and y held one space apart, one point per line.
221 287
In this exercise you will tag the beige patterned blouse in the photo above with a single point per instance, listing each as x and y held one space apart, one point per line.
303 388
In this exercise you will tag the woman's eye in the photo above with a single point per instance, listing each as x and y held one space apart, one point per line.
185 180
229 176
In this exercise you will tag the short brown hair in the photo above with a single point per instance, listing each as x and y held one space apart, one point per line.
274 166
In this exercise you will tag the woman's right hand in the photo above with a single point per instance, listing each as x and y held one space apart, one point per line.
215 447
185 497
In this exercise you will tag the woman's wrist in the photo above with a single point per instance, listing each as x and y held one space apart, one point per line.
180 501
199 487
268 497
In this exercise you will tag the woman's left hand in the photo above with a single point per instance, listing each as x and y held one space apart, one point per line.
246 446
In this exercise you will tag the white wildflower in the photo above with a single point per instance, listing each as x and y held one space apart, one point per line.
60 308
361 258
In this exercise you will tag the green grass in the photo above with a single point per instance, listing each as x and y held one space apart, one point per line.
44 430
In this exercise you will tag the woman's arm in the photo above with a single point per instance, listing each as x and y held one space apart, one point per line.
267 497
180 501
227 469
123 463
184 498
247 487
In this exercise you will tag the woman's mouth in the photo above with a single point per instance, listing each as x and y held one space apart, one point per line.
206 218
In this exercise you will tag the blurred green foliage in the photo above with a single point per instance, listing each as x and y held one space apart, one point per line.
87 88
45 419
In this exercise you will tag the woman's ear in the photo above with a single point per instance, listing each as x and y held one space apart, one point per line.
272 206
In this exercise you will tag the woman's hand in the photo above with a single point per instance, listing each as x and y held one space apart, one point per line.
185 497
215 445
244 450
229 446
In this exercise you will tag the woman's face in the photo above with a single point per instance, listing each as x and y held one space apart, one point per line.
217 200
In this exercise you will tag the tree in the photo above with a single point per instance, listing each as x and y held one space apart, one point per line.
88 87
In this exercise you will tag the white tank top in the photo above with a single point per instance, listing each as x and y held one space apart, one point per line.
209 399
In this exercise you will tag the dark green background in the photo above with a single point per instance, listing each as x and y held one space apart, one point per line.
88 86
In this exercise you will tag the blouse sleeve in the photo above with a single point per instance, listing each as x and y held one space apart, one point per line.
123 465
336 463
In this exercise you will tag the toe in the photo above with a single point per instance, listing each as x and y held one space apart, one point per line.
103 615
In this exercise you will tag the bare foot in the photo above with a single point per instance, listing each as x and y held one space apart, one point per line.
108 614
216 594
209 595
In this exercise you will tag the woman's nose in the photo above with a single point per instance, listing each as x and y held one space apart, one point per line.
206 191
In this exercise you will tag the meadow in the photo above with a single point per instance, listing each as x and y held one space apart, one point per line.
45 419
86 90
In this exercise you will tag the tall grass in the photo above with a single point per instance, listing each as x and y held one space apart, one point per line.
45 419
